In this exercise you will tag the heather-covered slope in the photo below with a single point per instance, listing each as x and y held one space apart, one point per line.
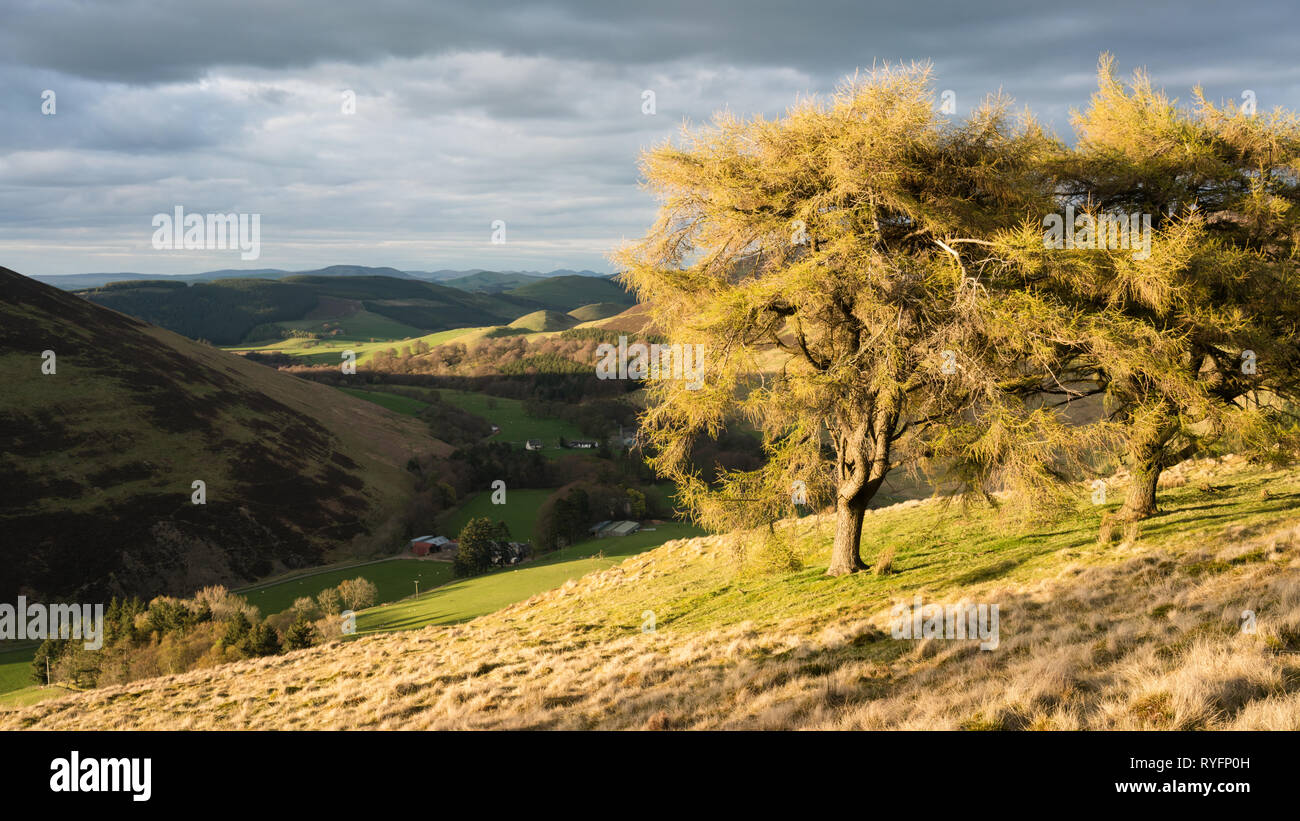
98 459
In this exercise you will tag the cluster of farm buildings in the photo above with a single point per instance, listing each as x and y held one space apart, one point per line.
508 553
502 553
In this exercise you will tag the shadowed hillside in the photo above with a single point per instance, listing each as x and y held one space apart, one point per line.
565 293
99 458
239 309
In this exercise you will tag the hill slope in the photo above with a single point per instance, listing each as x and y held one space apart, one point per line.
227 311
1143 636
635 319
222 312
544 321
491 282
565 293
96 473
72 282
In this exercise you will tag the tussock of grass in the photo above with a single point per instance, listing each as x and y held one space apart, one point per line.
1092 636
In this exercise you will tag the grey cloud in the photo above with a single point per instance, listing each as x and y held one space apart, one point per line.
469 112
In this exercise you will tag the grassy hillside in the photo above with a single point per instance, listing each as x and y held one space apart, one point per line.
516 426
96 475
239 310
491 282
327 351
30 695
397 404
519 512
1143 635
635 319
223 312
393 579
565 293
598 310
358 325
465 599
424 305
540 321
15 667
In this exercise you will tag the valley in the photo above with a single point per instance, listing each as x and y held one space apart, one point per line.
342 311
680 638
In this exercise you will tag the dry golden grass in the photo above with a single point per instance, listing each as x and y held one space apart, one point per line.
1141 636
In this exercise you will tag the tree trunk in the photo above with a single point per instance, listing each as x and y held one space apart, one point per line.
1141 500
845 555
862 462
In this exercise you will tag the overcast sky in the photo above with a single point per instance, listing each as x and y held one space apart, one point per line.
470 112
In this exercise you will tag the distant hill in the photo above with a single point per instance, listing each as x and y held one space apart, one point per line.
545 321
599 310
226 312
491 282
447 274
239 310
99 458
635 319
424 305
74 282
565 293
222 312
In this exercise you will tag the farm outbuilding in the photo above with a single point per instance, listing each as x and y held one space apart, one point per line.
420 545
423 545
623 528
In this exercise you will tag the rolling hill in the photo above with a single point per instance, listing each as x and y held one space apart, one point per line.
565 293
635 319
100 456
223 312
544 321
74 282
1140 636
491 282
598 310
242 310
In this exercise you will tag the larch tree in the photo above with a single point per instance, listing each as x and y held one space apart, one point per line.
836 269
1180 229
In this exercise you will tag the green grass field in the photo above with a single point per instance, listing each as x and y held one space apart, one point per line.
394 579
400 404
15 668
539 321
363 326
327 351
516 426
30 695
519 512
468 598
